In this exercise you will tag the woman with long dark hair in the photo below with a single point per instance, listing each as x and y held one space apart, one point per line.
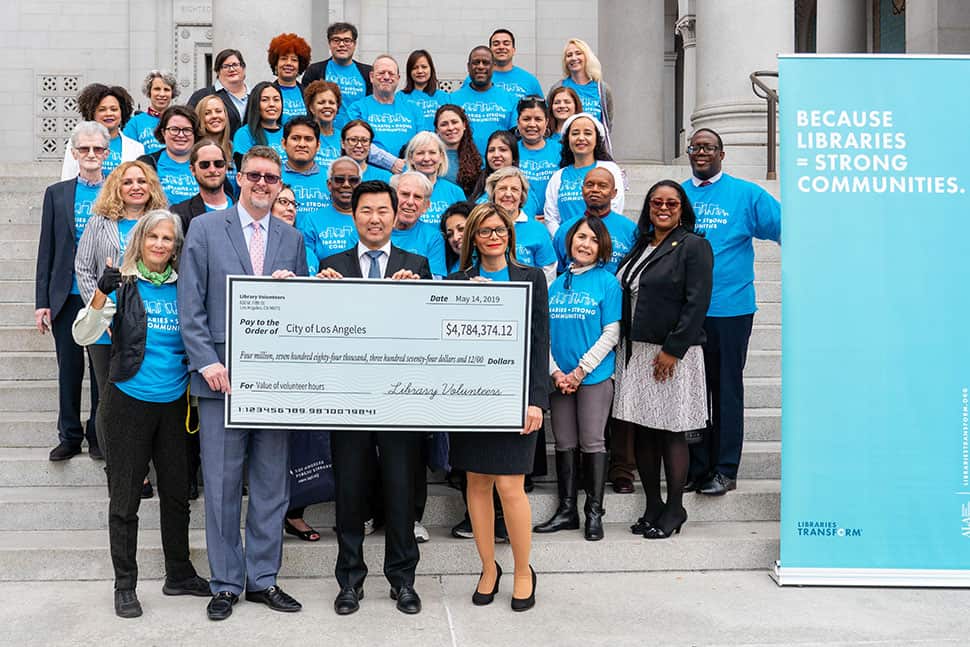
464 160
264 126
539 154
421 86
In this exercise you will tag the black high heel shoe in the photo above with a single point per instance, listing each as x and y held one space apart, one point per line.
661 531
646 521
481 599
524 604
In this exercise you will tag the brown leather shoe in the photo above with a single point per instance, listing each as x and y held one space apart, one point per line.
623 485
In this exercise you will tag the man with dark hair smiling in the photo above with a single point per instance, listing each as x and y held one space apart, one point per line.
208 163
488 106
512 78
301 139
352 77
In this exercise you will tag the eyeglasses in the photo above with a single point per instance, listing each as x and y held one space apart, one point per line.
254 177
358 141
486 232
87 150
702 148
230 66
352 180
286 202
336 40
173 130
204 164
658 203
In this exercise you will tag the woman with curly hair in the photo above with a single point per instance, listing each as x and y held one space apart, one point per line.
421 86
110 106
323 102
160 87
289 57
464 161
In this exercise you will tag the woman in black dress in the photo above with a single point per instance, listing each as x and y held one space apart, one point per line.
497 459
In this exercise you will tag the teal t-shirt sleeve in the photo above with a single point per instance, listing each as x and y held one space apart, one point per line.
612 308
545 253
131 129
354 111
436 257
765 216
559 247
242 141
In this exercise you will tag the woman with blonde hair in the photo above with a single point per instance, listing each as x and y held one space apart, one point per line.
426 154
584 74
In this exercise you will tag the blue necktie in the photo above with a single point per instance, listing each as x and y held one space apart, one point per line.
375 266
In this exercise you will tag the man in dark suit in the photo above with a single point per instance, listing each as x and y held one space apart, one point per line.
374 206
244 239
209 164
67 207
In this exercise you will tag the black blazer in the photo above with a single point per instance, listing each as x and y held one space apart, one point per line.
348 264
235 119
318 71
674 294
539 383
195 206
56 248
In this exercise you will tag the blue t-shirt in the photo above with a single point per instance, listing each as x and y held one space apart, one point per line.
293 105
517 82
352 88
731 212
177 180
452 174
113 159
229 203
443 196
589 95
425 105
533 245
374 173
309 190
570 200
243 141
623 233
325 232
329 150
488 111
125 227
163 374
394 124
577 316
500 275
141 128
84 197
425 240
538 167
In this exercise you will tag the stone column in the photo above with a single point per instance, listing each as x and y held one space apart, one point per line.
840 26
685 27
249 25
733 40
631 49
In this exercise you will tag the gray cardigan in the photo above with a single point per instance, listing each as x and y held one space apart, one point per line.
99 242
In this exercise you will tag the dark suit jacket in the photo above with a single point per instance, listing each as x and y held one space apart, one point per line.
347 263
189 209
539 383
214 248
235 119
674 293
56 249
318 70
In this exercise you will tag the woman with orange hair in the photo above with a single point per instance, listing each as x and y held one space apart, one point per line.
289 56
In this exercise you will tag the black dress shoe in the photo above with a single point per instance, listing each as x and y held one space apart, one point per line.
407 599
220 606
481 599
694 483
64 451
127 604
275 598
622 485
147 491
524 604
718 486
195 585
95 452
348 600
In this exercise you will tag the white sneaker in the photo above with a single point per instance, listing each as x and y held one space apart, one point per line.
420 533
369 527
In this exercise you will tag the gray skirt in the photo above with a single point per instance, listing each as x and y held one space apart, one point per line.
679 404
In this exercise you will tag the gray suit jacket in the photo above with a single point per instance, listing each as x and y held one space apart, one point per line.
215 248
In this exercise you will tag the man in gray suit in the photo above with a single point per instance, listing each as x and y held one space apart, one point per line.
244 239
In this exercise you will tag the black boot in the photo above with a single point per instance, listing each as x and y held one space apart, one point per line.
595 467
567 516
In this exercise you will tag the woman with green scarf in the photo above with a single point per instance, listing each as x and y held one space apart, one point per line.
143 406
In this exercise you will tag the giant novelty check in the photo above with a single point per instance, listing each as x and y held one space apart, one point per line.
354 354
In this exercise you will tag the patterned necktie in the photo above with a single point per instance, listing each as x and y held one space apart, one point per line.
256 251
375 266
706 183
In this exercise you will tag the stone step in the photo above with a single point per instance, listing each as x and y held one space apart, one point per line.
765 337
23 269
767 270
767 291
768 313
761 392
19 250
30 183
762 424
21 208
741 545
763 363
28 365
30 395
86 507
23 338
22 232
17 313
17 291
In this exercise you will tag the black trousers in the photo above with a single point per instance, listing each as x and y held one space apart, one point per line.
353 464
725 354
134 433
70 374
100 358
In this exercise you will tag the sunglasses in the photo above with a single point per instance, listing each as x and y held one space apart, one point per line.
352 180
204 164
254 177
87 150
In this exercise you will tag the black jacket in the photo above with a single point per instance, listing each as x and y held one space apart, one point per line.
318 71
56 248
539 383
195 206
129 330
673 295
348 264
235 119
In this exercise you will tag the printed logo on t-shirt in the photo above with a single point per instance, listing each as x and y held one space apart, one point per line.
162 315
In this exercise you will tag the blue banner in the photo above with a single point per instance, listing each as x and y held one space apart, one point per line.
875 167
